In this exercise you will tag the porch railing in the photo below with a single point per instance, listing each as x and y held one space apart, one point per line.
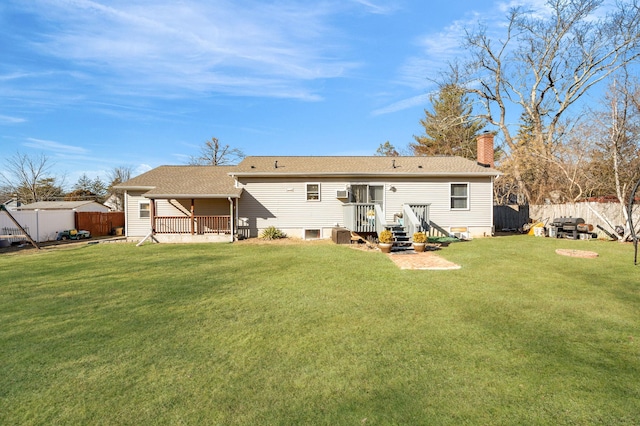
369 217
199 225
416 218
360 217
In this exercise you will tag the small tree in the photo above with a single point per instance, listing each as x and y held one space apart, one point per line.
117 176
87 189
213 153
387 150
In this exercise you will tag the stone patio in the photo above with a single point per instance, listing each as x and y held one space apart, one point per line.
422 261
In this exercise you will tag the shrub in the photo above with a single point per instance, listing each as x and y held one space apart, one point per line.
420 237
385 237
272 233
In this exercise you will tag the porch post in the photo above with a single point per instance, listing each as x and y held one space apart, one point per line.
231 224
152 207
193 220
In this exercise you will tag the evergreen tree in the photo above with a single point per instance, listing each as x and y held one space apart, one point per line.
449 127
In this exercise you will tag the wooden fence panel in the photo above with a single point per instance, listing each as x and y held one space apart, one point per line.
98 223
510 217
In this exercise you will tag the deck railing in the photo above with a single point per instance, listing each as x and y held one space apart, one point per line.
416 218
369 217
360 217
199 225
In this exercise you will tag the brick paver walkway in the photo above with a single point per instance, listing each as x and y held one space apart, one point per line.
426 260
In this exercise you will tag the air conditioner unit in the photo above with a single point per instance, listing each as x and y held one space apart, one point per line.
462 235
342 193
460 232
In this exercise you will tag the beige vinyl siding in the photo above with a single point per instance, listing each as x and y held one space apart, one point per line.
136 226
283 204
436 192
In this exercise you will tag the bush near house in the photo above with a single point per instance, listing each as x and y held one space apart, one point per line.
272 233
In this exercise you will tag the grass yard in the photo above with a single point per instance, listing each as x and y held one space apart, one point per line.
320 334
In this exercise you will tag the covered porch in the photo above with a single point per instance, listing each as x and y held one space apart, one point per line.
193 220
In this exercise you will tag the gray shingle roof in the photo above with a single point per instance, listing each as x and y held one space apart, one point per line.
349 166
217 181
185 181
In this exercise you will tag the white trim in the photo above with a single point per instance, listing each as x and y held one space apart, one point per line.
306 191
468 196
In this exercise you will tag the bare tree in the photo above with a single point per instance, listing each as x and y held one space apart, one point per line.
116 176
616 130
30 178
543 65
213 153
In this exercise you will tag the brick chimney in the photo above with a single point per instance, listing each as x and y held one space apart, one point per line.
485 149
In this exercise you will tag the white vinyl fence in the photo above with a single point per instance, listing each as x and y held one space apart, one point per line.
42 225
606 215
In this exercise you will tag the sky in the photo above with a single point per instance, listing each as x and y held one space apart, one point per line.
96 84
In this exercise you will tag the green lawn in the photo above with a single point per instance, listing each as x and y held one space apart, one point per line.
320 334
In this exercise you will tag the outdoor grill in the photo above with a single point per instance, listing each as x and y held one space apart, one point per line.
571 227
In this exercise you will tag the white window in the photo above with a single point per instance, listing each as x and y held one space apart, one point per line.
144 209
313 192
311 234
459 196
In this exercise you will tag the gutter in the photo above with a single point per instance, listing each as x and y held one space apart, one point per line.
180 196
367 174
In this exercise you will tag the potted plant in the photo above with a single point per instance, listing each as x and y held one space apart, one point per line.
385 241
419 241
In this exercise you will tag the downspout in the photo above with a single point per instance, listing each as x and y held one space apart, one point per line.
126 213
231 218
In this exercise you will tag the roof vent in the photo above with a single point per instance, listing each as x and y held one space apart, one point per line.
393 163
275 164
253 167
420 166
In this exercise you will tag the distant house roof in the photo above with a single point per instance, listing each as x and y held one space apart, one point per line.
59 205
185 182
360 166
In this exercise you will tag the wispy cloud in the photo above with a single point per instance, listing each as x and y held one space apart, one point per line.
56 147
403 104
5 119
165 48
435 50
380 9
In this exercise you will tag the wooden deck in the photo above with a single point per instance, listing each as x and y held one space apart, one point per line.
196 225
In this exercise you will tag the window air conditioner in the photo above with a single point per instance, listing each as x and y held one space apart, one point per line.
342 193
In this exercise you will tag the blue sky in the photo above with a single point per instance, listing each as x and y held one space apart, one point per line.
99 84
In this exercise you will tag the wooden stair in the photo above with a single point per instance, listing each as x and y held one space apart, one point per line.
401 240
